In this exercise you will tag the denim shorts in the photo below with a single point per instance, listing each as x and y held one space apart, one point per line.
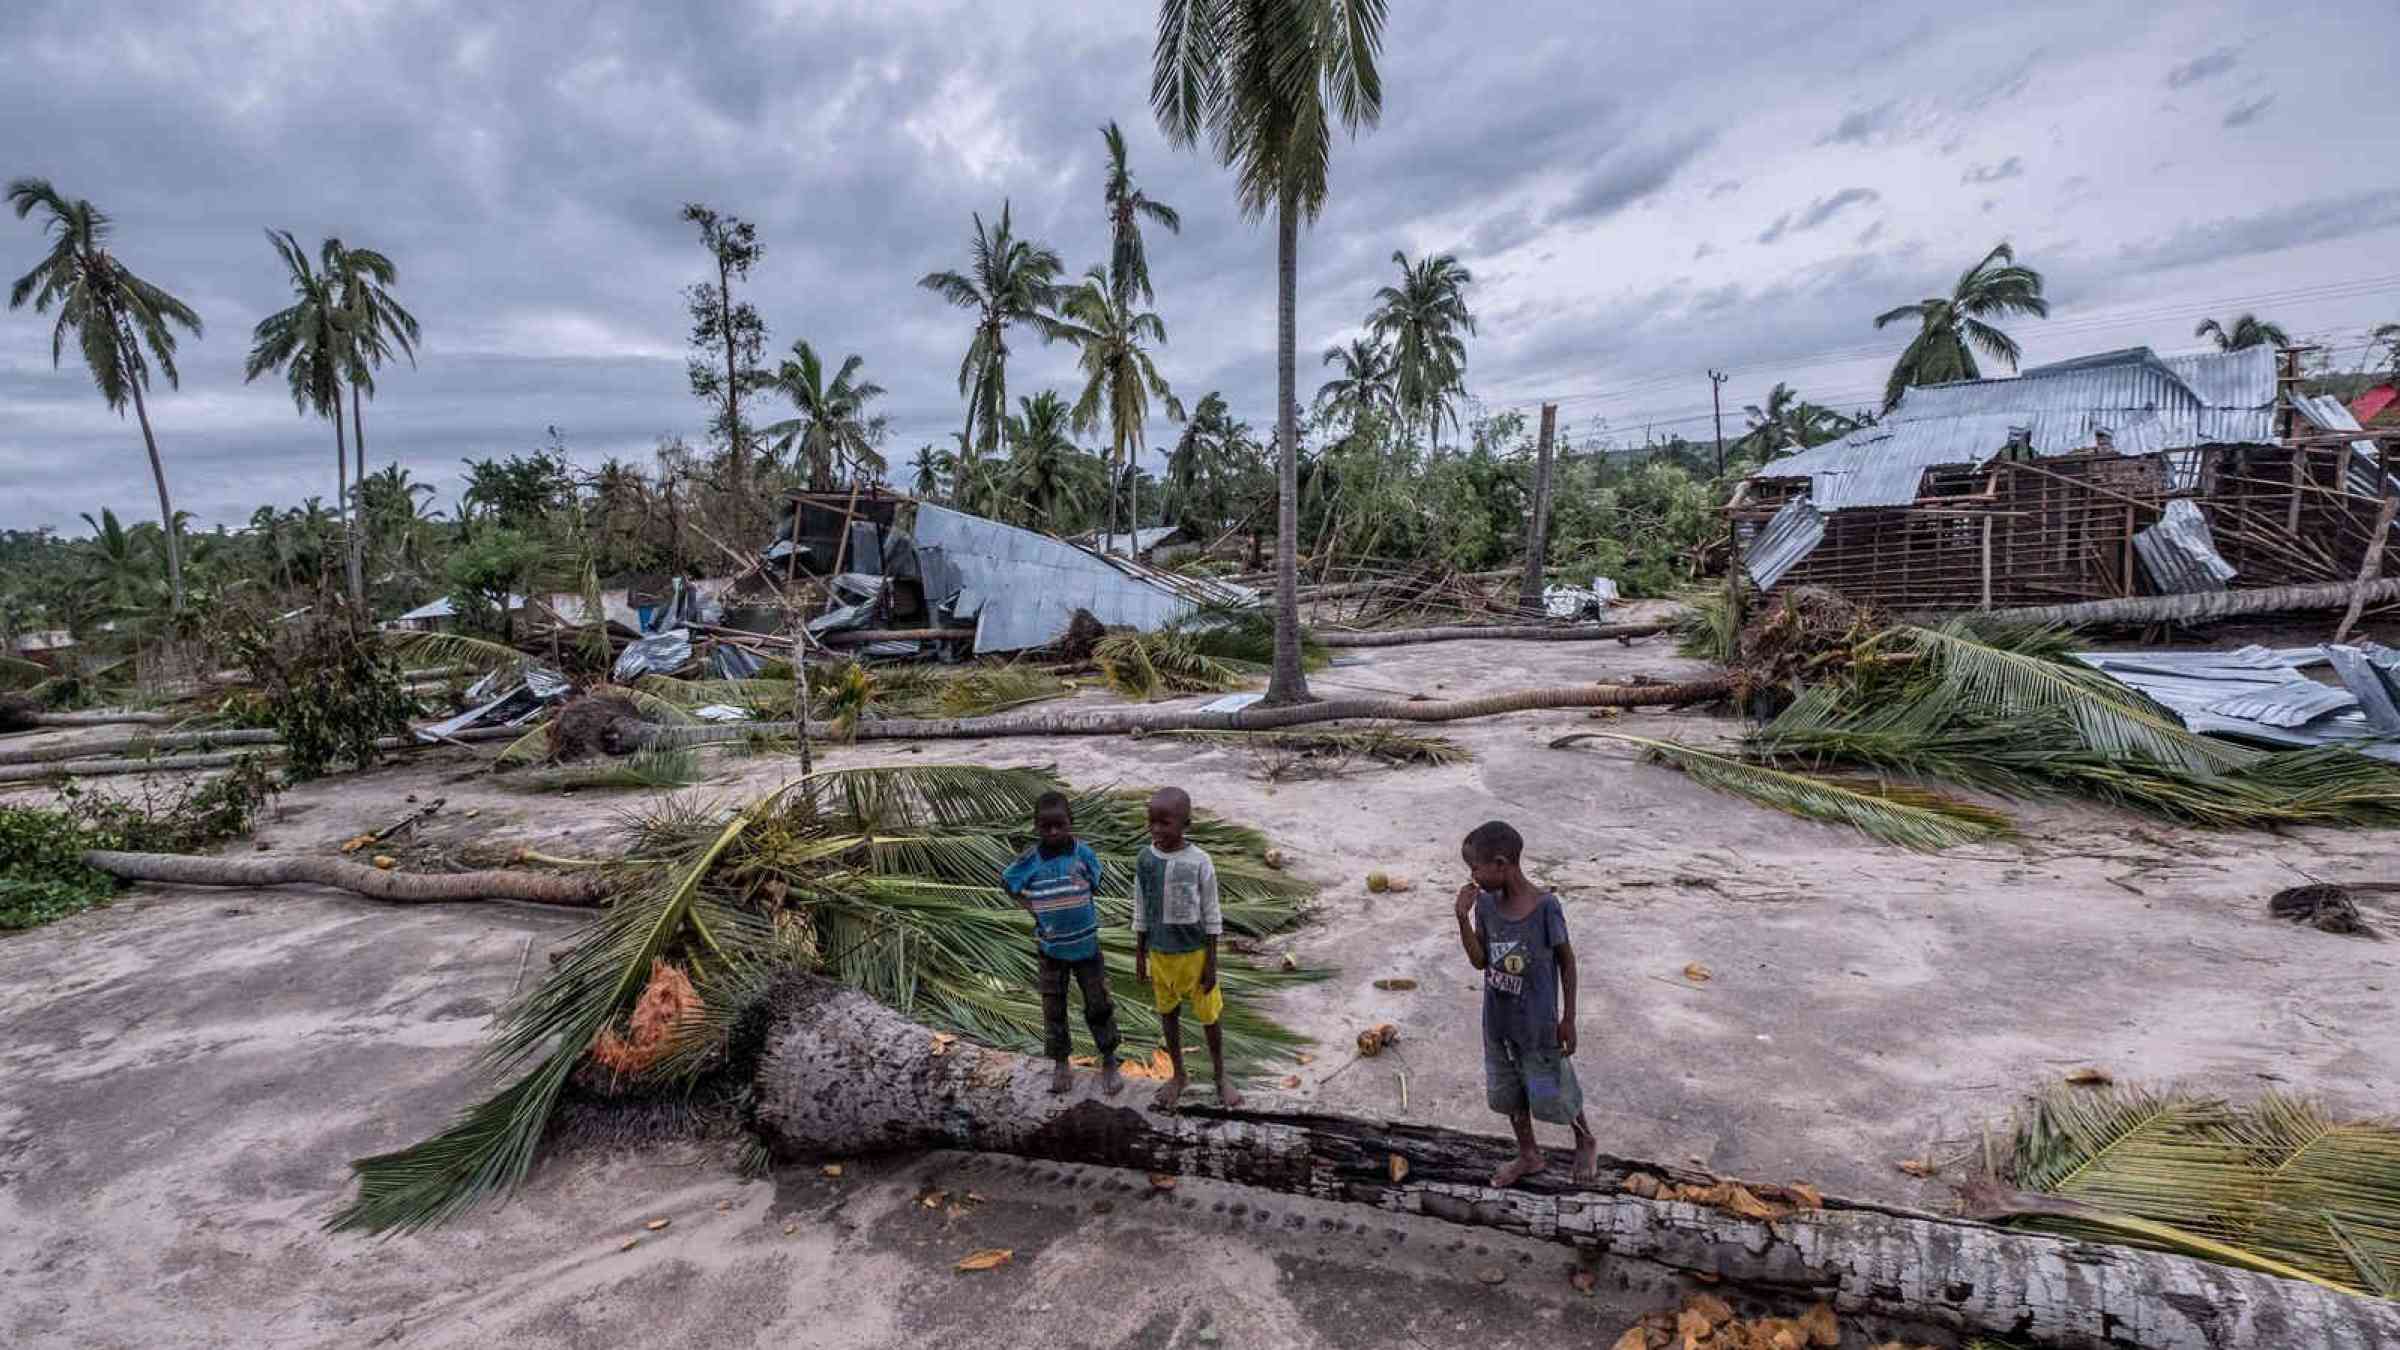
1540 1081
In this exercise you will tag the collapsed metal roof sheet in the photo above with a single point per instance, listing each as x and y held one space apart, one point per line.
1782 542
2146 405
1031 584
2255 694
2180 554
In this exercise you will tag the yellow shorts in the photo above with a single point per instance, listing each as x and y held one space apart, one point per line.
1175 977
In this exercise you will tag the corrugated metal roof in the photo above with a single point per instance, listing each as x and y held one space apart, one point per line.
2146 404
2255 694
1030 584
2369 677
1782 542
2180 554
2290 703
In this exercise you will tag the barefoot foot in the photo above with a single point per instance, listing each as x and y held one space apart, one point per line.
1169 1093
1061 1079
1520 1167
1228 1094
1587 1161
1112 1081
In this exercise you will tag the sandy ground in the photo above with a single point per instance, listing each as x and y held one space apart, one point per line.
187 1073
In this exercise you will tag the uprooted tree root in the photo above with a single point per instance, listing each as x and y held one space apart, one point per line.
1802 637
594 724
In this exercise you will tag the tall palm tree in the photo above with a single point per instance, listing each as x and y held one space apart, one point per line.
116 317
1424 318
378 325
120 575
834 427
1119 376
1952 328
1045 469
1789 422
1129 262
1265 81
933 466
313 342
1213 440
1363 387
2247 331
2389 334
1008 281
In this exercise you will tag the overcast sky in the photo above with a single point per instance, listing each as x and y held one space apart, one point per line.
1641 192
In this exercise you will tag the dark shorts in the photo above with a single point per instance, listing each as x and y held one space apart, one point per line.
1537 1080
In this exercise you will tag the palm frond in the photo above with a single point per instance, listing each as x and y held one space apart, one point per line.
1995 682
985 690
2332 1199
452 649
1910 817
526 749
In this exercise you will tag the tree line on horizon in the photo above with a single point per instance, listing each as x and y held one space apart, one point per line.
1259 85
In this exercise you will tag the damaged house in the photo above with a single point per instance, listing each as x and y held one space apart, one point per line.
2114 475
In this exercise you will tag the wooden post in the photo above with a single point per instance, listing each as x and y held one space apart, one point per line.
1987 562
2299 482
1537 532
2372 567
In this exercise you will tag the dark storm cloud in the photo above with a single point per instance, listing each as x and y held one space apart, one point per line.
2011 167
1817 213
1626 177
2203 67
1862 125
2267 231
2247 111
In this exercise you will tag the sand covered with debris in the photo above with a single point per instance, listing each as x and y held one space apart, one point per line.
189 1071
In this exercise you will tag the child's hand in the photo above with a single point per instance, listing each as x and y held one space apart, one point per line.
1141 965
1566 1035
1208 974
1466 898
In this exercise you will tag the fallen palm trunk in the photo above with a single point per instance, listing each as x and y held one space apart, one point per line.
629 734
104 719
860 637
842 1074
138 745
2204 605
1535 632
408 888
34 768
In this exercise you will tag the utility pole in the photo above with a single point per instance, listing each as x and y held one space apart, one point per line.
1537 535
1716 399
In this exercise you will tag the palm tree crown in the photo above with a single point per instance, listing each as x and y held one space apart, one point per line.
1424 318
309 340
1363 385
1790 422
834 427
1128 206
1009 280
122 324
1120 378
1952 328
2247 331
1045 470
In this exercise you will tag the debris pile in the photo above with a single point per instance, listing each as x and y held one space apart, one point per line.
1707 1322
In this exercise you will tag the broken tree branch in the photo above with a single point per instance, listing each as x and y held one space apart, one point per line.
405 888
2368 569
842 1074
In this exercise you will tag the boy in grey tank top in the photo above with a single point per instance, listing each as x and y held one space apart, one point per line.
1517 936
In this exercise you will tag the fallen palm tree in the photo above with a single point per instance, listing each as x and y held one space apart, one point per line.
1119 721
881 879
1551 632
841 1074
137 746
1875 713
2205 606
260 745
397 887
23 715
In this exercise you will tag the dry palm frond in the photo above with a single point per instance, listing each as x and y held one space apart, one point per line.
452 649
656 770
985 690
2276 1186
652 706
664 1005
1705 630
1155 665
528 748
1911 817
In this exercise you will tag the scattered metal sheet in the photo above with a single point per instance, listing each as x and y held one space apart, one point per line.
1780 545
1231 702
1029 585
1579 602
2223 694
2378 697
659 654
729 662
720 712
2291 703
2180 554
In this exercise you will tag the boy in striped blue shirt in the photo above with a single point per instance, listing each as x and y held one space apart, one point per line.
1058 879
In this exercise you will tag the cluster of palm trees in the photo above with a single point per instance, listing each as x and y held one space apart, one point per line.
1409 367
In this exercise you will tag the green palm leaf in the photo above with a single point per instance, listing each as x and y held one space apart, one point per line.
2332 1199
1911 817
452 649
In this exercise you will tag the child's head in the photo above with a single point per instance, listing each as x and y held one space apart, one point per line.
1170 816
1491 852
1053 822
